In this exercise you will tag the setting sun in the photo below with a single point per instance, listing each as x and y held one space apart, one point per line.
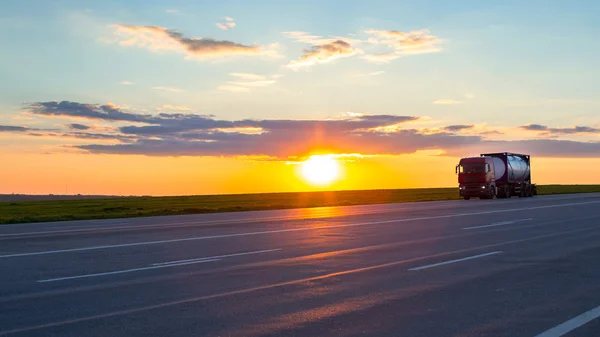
320 170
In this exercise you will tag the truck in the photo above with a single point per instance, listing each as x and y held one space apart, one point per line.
500 175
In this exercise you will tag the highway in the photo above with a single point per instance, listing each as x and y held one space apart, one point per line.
518 267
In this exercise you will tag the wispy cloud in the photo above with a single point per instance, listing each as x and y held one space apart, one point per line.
228 24
380 58
317 40
169 107
249 77
169 89
126 83
458 127
157 38
245 81
324 53
447 101
373 73
323 49
401 43
172 11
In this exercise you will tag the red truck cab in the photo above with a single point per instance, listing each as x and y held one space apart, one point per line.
476 177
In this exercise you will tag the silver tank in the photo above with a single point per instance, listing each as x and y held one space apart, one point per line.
518 169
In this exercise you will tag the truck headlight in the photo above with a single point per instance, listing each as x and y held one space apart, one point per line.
482 187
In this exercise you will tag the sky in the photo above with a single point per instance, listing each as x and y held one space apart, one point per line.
197 97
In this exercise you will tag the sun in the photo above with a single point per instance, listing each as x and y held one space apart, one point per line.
320 169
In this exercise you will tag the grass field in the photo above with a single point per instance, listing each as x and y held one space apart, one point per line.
60 210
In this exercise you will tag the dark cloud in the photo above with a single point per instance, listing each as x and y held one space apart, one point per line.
106 112
560 131
534 127
458 127
552 148
75 126
574 130
10 128
283 144
87 135
491 132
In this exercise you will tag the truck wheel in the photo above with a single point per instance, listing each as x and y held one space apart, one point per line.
507 192
467 198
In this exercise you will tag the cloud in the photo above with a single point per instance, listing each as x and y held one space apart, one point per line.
560 131
373 73
245 81
249 77
458 127
169 89
381 58
317 40
172 11
85 136
126 83
414 42
157 38
446 101
169 107
534 127
76 126
401 43
10 128
188 134
550 148
228 24
324 53
107 112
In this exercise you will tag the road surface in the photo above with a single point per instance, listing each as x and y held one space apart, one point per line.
518 267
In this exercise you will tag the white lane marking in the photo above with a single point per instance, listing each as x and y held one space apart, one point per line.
572 324
218 257
454 261
145 243
502 223
68 230
122 271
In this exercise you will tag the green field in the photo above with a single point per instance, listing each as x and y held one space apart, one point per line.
59 210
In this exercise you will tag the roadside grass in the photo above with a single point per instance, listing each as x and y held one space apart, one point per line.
62 210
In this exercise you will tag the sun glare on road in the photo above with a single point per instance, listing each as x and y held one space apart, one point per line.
320 170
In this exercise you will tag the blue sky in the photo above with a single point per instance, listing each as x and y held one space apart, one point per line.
504 64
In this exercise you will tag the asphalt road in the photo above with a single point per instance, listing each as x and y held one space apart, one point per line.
518 267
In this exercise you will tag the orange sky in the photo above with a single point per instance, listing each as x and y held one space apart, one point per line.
142 175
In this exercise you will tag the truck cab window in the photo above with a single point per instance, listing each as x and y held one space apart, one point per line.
473 168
